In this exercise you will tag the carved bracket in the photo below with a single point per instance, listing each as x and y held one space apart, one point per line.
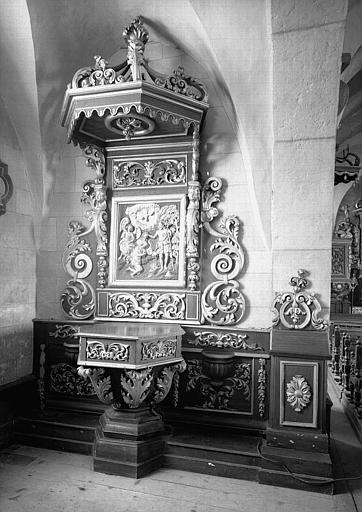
222 302
297 309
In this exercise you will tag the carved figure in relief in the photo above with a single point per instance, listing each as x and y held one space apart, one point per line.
149 241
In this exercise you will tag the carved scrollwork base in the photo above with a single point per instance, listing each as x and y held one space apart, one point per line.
222 302
137 387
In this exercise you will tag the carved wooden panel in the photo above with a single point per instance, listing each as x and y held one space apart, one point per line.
298 393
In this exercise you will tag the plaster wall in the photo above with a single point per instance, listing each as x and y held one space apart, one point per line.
17 263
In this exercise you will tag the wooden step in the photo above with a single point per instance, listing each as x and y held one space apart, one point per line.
57 430
233 456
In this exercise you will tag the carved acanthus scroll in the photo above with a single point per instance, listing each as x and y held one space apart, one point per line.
78 299
222 302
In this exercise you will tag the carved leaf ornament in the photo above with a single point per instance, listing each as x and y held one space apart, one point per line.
222 301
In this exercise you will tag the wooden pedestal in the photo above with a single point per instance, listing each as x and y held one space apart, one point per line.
129 442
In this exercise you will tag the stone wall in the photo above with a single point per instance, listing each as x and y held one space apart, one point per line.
307 47
17 263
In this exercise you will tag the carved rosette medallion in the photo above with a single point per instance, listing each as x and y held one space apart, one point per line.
225 340
170 306
298 393
297 309
261 387
222 302
157 349
149 173
130 125
64 379
97 350
218 394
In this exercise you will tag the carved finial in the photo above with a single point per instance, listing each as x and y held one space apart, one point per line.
136 37
299 282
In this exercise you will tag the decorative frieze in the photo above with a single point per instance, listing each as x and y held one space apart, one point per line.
97 350
160 306
222 302
297 309
223 340
157 349
148 173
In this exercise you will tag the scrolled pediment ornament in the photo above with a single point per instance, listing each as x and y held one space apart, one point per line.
135 68
298 309
222 302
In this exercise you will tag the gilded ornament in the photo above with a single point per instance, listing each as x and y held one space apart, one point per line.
225 340
298 393
97 350
157 349
152 306
222 302
297 309
149 173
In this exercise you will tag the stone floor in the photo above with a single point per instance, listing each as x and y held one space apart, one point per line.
39 480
